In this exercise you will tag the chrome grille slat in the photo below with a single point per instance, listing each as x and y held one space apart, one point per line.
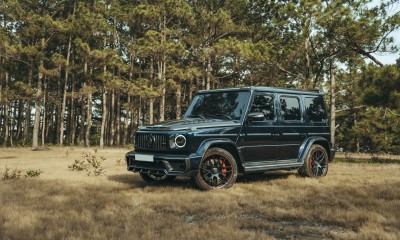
160 141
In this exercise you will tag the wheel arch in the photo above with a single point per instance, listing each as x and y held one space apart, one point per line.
226 144
305 148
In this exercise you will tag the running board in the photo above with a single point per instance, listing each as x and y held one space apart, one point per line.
271 165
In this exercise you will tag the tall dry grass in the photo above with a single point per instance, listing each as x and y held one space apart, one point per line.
355 201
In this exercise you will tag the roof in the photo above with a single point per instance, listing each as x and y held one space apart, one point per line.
265 89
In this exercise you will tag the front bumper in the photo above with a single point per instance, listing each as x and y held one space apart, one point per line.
168 164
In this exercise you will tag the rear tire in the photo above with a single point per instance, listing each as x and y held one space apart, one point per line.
315 163
156 178
218 170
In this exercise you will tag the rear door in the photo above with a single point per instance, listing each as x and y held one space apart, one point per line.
259 139
316 117
292 124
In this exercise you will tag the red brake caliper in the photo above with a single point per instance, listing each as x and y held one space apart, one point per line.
223 167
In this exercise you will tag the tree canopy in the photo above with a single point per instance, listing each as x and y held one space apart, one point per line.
89 72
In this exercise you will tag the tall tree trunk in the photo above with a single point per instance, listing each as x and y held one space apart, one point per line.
309 73
178 94
103 120
64 102
21 104
204 75
151 100
49 124
161 75
163 66
89 112
12 122
44 110
132 132
27 120
357 137
118 122
208 84
73 121
332 101
112 118
35 137
190 95
6 113
58 102
139 112
81 136
104 114
126 124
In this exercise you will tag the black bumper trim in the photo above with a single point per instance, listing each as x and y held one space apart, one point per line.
164 164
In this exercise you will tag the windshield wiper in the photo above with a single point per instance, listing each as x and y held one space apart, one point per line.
223 115
197 116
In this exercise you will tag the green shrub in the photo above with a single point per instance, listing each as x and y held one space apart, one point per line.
89 163
33 173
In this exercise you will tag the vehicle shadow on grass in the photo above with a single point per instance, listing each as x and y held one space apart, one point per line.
264 176
135 180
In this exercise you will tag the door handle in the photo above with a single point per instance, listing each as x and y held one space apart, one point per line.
275 134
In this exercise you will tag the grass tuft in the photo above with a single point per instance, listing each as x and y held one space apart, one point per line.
11 174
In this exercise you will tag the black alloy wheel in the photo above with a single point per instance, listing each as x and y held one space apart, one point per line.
316 162
217 170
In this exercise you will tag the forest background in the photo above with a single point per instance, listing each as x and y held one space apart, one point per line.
89 72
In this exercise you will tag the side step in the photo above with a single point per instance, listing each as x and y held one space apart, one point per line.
271 165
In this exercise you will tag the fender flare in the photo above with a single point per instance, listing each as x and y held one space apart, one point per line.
205 145
305 147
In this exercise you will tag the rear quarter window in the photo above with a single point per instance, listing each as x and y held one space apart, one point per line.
315 109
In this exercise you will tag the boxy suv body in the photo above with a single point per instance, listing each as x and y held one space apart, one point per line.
237 130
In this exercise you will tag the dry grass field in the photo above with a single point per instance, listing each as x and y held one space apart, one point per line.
356 200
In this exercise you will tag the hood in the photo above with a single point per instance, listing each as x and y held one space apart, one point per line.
189 124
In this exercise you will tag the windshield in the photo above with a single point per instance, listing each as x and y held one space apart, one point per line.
221 105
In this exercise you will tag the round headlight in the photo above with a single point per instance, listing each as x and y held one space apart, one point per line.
180 141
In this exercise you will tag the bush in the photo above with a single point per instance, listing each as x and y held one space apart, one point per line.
89 163
33 173
11 174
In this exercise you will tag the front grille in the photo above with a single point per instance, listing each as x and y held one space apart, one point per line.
153 141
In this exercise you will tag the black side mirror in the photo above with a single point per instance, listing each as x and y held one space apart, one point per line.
255 116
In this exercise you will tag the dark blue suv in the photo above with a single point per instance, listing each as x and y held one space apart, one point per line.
237 130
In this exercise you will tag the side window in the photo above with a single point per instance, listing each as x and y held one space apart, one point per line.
290 109
264 104
315 109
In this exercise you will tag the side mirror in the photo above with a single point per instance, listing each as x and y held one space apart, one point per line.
255 116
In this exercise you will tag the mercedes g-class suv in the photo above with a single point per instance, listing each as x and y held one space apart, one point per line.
237 130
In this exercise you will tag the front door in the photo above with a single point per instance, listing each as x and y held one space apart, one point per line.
259 140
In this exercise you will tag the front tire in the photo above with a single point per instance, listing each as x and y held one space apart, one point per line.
315 163
218 170
148 177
